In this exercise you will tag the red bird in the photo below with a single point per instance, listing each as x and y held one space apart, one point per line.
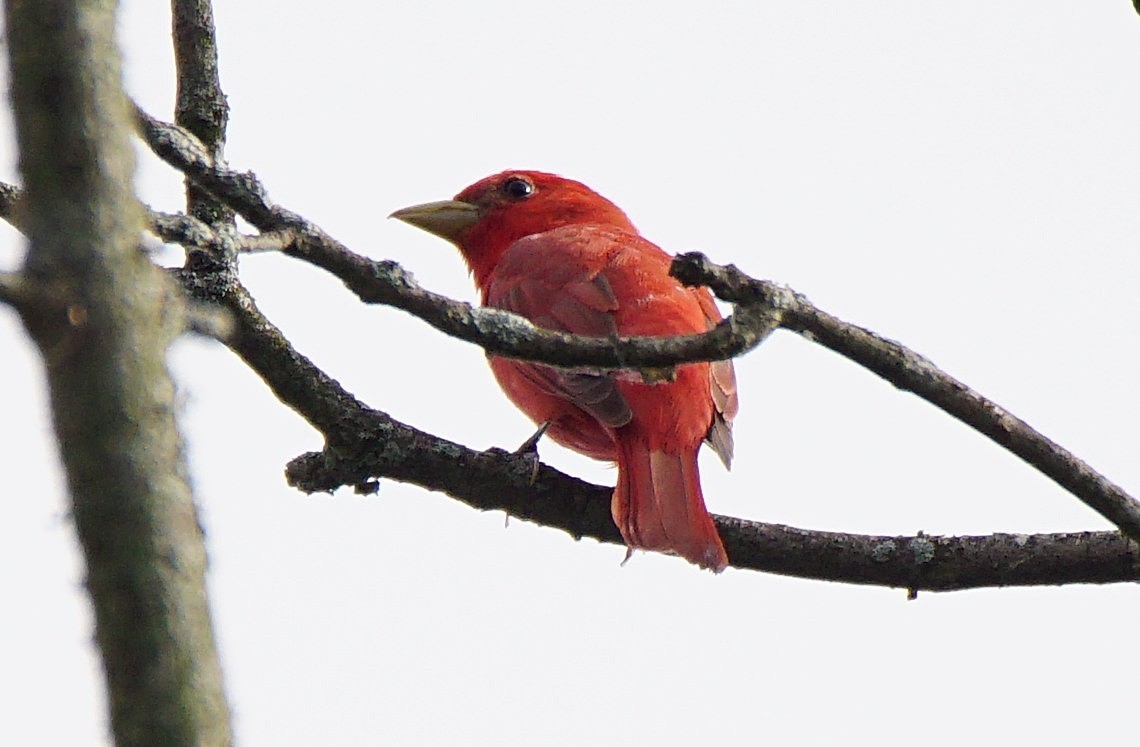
552 250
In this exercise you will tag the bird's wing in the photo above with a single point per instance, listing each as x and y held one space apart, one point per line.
571 295
722 386
565 279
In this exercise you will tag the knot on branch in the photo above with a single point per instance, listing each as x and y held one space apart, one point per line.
393 273
246 182
732 285
510 328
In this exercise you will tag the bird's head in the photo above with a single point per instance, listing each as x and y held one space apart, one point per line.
493 213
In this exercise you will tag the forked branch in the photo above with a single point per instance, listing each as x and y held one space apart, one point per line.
365 444
759 307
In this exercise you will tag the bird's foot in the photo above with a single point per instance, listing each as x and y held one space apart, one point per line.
531 444
529 450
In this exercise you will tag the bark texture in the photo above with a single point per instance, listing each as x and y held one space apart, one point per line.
102 316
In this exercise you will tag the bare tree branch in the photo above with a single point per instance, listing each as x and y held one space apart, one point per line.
911 372
201 105
365 444
190 232
760 306
14 290
292 377
388 283
897 364
174 228
103 340
10 197
497 480
178 228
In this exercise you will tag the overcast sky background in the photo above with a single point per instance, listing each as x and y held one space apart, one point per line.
962 177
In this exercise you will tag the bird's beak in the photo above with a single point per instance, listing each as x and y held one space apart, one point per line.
448 219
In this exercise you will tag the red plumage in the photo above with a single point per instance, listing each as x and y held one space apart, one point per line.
555 252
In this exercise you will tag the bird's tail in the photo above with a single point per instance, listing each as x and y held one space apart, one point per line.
658 505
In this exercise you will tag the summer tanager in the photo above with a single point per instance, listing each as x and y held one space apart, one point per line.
566 258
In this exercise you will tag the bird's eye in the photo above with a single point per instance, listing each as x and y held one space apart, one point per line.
518 188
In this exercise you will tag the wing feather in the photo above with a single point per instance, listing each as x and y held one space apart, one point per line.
581 301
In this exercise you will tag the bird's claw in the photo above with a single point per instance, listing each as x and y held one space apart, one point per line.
531 444
529 450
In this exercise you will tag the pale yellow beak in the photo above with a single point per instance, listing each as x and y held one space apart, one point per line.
448 219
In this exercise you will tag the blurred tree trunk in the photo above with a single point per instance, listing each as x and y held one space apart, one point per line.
102 316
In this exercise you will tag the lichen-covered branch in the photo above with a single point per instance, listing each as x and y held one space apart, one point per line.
760 306
911 372
201 106
897 364
292 377
365 445
388 283
103 339
497 480
10 197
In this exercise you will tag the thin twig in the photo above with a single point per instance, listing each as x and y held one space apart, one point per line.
270 241
201 105
759 307
190 232
912 372
14 289
388 283
771 305
365 445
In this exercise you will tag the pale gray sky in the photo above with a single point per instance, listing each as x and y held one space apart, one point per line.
961 177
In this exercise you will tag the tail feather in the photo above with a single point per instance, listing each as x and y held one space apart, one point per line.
658 505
